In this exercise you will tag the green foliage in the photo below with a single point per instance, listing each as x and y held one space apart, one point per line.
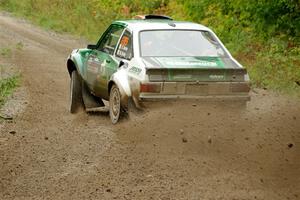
8 51
264 34
5 52
276 67
7 86
19 46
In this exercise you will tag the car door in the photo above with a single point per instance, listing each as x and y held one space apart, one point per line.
101 62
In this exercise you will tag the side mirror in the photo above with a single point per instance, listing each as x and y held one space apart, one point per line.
91 46
123 63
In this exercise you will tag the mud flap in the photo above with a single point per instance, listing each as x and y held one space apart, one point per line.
91 102
132 110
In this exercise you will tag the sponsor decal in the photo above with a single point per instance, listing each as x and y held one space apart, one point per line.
122 52
95 65
191 62
135 70
216 77
201 63
182 76
102 68
92 67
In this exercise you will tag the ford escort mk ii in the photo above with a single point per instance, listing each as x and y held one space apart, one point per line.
154 58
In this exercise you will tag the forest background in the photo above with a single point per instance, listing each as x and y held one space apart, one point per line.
264 35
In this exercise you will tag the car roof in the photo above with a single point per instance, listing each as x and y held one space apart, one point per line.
158 24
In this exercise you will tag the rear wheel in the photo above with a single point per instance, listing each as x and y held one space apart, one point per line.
75 92
114 104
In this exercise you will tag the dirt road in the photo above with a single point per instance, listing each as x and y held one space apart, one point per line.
177 150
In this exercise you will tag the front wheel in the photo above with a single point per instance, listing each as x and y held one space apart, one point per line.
114 104
75 92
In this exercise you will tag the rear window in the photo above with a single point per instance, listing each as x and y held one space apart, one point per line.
179 43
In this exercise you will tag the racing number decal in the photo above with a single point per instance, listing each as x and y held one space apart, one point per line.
124 41
123 46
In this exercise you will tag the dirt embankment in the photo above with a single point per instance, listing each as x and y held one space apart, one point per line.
178 150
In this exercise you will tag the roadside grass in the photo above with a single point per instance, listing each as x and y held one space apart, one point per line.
7 86
19 46
6 51
9 78
272 65
68 16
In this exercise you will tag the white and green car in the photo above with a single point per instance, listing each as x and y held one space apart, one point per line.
153 58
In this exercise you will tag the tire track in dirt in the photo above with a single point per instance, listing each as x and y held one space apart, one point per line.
49 142
174 150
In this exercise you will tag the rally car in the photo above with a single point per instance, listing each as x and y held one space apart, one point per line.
153 58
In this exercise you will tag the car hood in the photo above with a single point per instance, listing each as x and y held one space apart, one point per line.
188 62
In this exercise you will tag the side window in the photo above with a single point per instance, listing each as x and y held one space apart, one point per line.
124 49
110 40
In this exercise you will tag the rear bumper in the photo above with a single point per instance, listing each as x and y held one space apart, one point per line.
199 90
245 97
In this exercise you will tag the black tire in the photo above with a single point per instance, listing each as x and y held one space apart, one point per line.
115 108
75 92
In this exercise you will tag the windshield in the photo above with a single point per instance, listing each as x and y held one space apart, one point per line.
179 43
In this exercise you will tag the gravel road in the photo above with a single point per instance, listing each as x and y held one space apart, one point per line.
174 150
